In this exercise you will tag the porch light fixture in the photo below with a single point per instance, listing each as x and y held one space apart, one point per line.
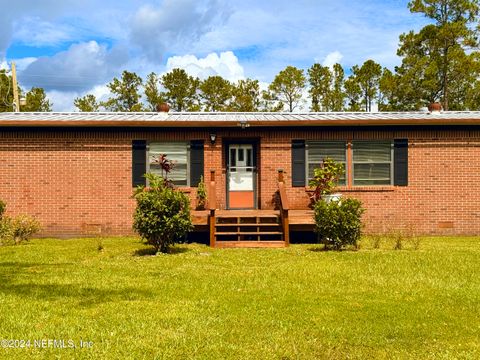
243 124
213 137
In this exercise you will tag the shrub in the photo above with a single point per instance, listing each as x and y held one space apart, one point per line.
404 235
24 227
6 231
376 240
162 216
201 194
3 207
398 239
18 229
338 223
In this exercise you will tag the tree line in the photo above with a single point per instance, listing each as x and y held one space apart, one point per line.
439 63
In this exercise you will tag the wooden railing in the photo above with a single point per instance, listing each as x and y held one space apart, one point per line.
284 206
212 206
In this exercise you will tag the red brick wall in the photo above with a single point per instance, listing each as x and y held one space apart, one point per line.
79 181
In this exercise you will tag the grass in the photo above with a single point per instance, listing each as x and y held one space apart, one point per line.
203 303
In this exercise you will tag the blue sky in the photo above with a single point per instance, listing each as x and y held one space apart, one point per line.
71 48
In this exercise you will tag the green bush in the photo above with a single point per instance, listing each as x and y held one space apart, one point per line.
162 216
338 223
18 229
6 231
24 227
3 207
201 194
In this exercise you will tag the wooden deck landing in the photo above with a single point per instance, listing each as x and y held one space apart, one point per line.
300 220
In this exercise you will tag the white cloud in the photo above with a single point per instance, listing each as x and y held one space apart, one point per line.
32 31
101 92
14 12
332 59
78 68
63 100
174 25
226 65
22 64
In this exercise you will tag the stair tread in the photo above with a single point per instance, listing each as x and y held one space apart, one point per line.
236 244
248 225
228 216
250 233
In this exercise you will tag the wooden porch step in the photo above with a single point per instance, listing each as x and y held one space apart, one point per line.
230 216
247 213
247 228
272 224
250 233
250 244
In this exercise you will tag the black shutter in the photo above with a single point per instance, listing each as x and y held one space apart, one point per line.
298 162
400 156
196 162
139 162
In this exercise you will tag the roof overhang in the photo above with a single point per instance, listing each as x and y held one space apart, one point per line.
232 120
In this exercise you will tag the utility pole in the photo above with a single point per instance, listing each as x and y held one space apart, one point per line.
16 102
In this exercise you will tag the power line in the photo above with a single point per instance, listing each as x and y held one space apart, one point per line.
58 76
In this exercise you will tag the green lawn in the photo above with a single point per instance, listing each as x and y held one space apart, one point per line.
293 303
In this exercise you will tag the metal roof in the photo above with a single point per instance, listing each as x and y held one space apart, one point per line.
187 119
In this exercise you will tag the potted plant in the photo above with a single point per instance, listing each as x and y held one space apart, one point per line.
325 180
201 195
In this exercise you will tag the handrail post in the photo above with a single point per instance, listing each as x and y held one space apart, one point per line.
212 205
284 206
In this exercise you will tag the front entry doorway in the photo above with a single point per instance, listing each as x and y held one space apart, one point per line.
241 176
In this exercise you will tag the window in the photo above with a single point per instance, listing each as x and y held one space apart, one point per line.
178 153
372 162
319 150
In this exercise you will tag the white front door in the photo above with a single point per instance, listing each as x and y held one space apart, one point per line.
241 172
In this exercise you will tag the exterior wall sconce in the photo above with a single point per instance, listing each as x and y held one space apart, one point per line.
243 124
213 138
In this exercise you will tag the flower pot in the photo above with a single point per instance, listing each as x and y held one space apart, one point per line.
331 197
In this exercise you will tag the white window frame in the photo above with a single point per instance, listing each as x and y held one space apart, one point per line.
391 162
307 162
187 145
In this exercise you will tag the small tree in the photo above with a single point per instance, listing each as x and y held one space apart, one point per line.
162 216
167 166
338 223
325 179
287 87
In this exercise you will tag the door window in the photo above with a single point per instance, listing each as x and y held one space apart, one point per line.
241 167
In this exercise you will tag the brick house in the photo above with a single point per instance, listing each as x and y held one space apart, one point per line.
75 171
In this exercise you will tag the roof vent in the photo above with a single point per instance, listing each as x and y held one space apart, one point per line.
435 108
163 107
